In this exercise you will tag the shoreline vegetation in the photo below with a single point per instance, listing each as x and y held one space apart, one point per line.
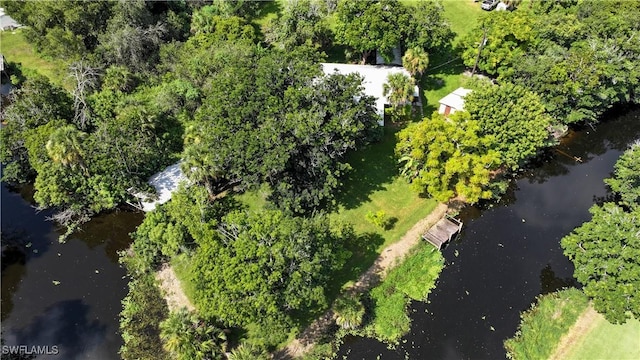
324 229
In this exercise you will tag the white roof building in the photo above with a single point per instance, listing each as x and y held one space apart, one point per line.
7 22
165 182
453 102
374 77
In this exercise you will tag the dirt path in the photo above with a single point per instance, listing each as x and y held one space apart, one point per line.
389 258
172 289
585 323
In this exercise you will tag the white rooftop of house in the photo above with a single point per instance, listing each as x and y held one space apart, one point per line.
374 77
6 22
455 99
165 182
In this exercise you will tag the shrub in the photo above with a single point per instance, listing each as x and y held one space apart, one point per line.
349 311
379 219
545 323
142 310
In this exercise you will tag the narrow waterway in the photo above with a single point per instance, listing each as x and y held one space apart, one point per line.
510 253
64 295
69 295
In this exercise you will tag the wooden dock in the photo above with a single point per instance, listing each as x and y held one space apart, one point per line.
444 230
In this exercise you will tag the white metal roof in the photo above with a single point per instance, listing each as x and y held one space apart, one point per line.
455 99
374 77
165 182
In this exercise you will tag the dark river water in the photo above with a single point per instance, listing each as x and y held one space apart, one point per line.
510 253
79 315
506 256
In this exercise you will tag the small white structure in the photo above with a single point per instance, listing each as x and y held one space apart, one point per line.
7 22
453 102
374 77
502 6
165 182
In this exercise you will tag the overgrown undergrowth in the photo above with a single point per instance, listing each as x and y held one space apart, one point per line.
542 326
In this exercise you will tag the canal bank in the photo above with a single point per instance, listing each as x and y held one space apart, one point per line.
510 252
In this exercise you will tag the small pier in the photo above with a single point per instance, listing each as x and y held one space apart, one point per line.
444 230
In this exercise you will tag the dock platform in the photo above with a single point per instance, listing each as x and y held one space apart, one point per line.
443 231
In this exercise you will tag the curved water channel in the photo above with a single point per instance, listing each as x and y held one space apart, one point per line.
64 295
69 295
510 253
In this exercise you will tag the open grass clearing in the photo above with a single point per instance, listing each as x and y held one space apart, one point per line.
604 340
15 48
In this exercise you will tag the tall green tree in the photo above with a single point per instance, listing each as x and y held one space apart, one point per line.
36 103
606 253
277 120
416 61
143 309
65 146
515 117
399 89
448 158
368 26
606 249
383 25
626 180
62 29
300 21
498 40
231 28
270 266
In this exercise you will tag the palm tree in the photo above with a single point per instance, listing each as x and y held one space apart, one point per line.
349 311
416 61
65 147
399 89
248 352
187 337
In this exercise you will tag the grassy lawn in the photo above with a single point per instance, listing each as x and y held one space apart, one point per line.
608 341
412 280
445 70
542 326
15 48
463 15
372 185
181 265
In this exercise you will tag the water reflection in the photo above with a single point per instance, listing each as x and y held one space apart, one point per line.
67 325
63 294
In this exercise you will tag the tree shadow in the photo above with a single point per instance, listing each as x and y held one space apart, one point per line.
549 282
372 168
390 223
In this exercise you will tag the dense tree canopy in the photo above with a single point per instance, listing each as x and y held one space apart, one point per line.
300 21
367 26
272 117
606 249
626 181
448 158
580 57
187 337
606 253
268 265
515 117
65 28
